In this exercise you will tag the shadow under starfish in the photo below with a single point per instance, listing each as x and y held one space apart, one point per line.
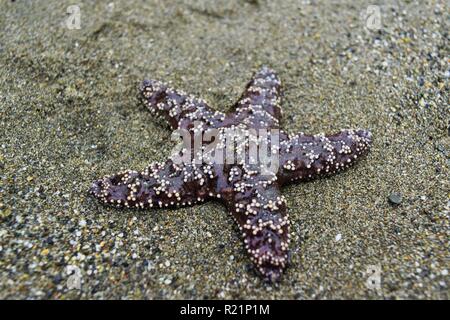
252 195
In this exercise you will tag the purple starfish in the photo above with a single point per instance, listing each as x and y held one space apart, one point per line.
249 191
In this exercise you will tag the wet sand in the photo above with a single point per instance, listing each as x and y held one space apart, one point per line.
69 114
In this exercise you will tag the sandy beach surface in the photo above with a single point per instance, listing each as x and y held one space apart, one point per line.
69 115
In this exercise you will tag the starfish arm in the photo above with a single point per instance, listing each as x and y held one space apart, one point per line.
304 157
259 105
179 109
260 212
160 185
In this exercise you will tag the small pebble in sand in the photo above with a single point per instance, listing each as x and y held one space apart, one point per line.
338 237
395 198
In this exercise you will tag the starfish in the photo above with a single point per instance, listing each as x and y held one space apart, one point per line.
249 190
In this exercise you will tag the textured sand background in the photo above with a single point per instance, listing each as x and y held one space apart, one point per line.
69 114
